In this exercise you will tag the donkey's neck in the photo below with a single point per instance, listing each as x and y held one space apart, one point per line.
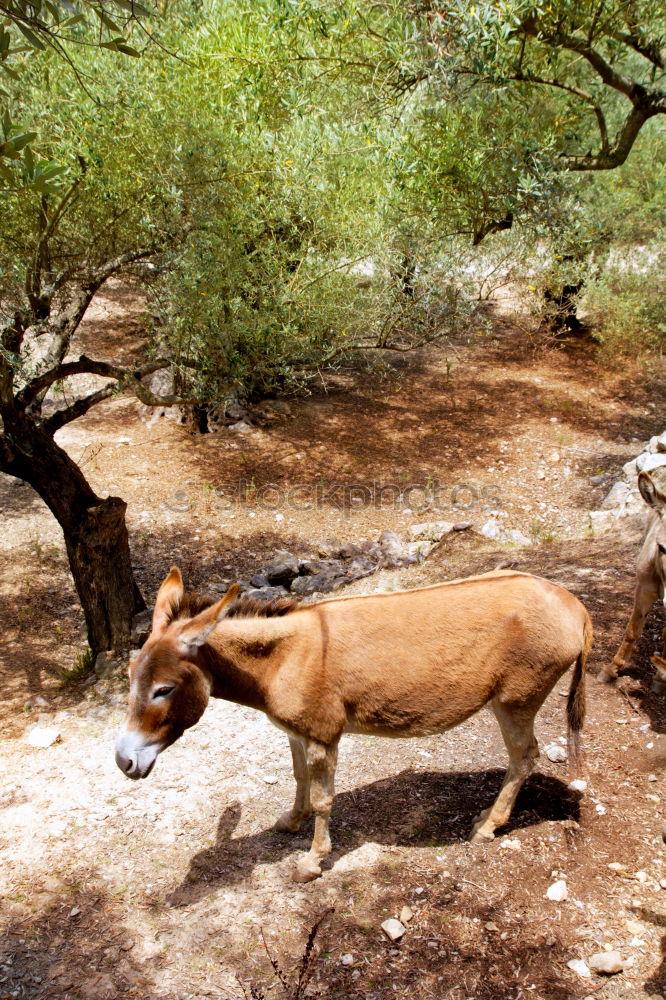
241 660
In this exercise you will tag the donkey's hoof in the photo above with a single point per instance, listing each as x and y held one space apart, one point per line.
608 675
307 870
287 823
480 837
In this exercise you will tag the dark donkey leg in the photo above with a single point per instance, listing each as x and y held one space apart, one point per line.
321 760
301 809
646 595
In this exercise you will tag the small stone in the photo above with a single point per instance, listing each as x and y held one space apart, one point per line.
555 753
43 736
634 927
577 785
641 877
490 529
430 531
578 966
615 866
270 779
662 883
541 474
347 959
74 912
240 427
107 664
462 525
510 845
406 914
606 963
393 929
554 457
557 891
38 701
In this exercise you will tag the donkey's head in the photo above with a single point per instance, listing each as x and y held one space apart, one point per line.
169 687
652 491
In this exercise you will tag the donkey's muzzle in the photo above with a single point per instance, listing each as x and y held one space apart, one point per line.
133 757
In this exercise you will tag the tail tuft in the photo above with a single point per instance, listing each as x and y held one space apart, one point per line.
576 700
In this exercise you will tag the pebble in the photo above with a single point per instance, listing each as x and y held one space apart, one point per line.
406 914
270 779
578 966
43 736
347 959
393 929
557 891
578 785
511 845
555 753
606 963
641 877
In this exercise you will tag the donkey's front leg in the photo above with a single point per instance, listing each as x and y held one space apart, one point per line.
321 761
291 821
646 595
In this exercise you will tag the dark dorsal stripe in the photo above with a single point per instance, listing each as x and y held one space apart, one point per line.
190 605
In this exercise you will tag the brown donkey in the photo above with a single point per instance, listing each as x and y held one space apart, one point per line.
650 579
402 664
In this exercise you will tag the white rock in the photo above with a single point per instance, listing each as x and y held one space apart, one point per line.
393 929
557 891
406 914
241 427
511 845
606 963
634 927
641 877
43 736
556 753
647 462
429 531
517 537
618 495
490 529
578 785
578 966
347 959
270 779
602 521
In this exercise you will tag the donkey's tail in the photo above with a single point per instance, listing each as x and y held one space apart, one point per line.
576 700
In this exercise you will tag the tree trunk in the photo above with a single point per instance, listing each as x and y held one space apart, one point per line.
94 529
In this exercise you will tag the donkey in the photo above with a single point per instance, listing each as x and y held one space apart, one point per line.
650 580
411 663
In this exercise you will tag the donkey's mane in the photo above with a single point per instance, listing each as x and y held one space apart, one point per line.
190 605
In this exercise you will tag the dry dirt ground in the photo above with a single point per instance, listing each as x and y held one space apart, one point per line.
178 887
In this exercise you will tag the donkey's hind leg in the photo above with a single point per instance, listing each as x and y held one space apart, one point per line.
301 809
517 727
321 760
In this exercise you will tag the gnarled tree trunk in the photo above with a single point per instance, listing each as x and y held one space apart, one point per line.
94 528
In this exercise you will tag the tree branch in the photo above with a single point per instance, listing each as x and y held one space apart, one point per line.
87 366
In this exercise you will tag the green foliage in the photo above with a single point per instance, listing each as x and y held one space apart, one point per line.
626 299
81 668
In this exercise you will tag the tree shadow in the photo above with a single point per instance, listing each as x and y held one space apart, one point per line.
417 808
72 948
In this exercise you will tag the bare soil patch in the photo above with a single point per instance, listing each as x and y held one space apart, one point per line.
163 888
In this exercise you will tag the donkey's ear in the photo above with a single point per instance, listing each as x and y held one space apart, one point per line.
651 493
195 633
168 595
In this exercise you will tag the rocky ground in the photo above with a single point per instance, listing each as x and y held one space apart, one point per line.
177 887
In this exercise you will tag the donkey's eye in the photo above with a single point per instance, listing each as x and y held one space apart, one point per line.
163 692
662 548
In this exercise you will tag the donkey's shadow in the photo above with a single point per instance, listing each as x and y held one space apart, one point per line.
420 808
